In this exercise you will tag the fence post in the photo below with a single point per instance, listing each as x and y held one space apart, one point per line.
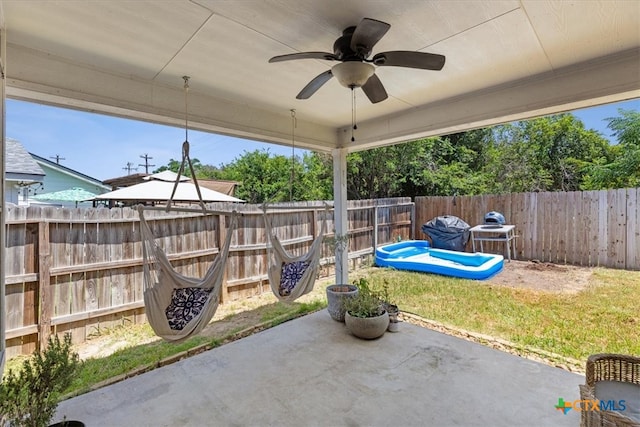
375 229
222 235
314 223
44 285
412 229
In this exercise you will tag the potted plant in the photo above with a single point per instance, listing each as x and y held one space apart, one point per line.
336 293
30 398
365 313
391 308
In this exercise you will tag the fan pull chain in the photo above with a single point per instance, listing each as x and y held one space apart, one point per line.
354 126
293 153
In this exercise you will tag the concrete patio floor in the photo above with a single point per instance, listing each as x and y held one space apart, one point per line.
312 372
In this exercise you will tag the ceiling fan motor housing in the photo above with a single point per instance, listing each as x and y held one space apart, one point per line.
342 47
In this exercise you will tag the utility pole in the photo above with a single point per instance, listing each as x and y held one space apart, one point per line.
58 158
146 165
129 168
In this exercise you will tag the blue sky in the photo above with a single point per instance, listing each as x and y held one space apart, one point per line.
101 146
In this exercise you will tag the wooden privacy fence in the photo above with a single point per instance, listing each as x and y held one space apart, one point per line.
588 228
80 270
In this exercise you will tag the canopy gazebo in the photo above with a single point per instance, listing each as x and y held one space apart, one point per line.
75 195
159 187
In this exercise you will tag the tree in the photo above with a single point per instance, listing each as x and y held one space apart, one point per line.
267 178
316 180
432 166
174 166
545 154
449 165
554 153
623 170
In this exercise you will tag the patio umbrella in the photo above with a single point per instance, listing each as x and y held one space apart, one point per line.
75 194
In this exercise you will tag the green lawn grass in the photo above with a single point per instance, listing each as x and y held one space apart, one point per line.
604 317
147 356
136 358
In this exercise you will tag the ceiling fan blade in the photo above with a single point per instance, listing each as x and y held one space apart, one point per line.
410 59
367 34
314 85
374 90
304 55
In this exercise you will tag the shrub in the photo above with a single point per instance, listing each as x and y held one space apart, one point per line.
30 398
366 303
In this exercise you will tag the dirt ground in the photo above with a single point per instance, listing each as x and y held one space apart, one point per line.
543 276
242 316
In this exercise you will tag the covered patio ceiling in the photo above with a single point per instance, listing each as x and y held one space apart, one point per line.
505 60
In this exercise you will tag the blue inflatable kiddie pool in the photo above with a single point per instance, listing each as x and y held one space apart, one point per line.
417 255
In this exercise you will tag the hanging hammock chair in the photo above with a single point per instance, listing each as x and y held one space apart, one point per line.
178 306
292 277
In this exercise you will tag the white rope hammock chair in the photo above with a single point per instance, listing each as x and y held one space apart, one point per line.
178 306
292 277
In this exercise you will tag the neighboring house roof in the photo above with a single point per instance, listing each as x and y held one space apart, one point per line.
224 187
125 181
20 166
68 171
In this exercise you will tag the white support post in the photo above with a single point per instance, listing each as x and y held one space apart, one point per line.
3 63
340 213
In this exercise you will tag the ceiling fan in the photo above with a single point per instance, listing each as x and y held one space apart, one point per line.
355 69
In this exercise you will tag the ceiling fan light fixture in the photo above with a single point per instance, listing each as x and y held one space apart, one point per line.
354 70
352 74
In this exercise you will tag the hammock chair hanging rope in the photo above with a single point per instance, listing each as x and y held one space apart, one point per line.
178 306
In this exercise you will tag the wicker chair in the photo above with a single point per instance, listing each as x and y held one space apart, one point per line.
608 367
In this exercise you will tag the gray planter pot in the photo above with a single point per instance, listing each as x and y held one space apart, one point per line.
393 317
367 327
335 294
393 327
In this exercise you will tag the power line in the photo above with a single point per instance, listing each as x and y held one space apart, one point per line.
58 158
129 168
146 164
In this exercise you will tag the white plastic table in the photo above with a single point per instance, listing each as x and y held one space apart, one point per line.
491 233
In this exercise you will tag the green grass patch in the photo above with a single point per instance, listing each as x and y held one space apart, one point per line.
137 357
604 317
96 370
